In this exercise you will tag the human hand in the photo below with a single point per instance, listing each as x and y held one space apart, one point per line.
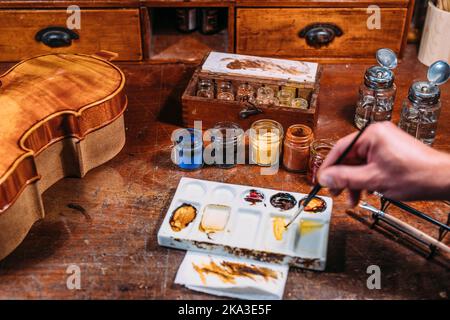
388 160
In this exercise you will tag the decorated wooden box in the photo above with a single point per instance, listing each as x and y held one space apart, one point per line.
243 89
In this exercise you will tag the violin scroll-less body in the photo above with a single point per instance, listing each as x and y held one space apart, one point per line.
60 115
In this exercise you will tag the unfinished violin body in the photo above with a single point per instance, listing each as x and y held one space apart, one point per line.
60 115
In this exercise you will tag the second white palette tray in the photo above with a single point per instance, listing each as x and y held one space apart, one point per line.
248 230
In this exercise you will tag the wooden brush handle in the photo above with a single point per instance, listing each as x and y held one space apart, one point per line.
417 233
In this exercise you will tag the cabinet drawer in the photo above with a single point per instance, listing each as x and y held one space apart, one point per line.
276 32
116 30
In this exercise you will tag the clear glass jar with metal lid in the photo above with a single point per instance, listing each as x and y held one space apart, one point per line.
377 93
421 110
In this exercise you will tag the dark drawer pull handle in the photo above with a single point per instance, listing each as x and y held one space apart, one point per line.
320 34
55 37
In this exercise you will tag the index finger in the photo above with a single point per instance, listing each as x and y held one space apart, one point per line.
337 150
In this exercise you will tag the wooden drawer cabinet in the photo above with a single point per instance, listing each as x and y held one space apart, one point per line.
116 30
276 32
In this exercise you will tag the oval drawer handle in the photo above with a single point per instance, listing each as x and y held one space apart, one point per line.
55 37
320 34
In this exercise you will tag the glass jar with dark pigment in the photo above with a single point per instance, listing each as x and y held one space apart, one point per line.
209 20
187 151
296 148
186 19
318 151
227 138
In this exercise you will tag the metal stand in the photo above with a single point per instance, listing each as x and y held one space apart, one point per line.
443 228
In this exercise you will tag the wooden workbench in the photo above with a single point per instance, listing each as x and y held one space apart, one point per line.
114 241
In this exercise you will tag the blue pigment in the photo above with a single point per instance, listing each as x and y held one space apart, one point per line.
188 149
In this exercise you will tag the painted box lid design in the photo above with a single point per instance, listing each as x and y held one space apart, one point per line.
260 67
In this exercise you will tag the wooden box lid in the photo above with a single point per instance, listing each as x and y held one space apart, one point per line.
261 68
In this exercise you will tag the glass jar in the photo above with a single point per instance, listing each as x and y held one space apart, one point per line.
296 147
376 97
225 91
420 112
228 138
205 89
292 90
186 19
299 103
264 96
209 21
275 89
265 140
285 97
245 92
187 151
318 151
377 93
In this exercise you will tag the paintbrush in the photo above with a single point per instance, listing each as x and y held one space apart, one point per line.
317 187
413 211
399 224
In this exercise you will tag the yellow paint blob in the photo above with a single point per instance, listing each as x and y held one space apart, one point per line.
279 227
306 227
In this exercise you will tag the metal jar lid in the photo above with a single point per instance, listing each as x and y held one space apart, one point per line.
424 92
378 77
381 76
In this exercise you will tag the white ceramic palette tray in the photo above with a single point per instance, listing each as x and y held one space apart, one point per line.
225 222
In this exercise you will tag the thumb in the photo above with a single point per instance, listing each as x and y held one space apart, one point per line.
347 177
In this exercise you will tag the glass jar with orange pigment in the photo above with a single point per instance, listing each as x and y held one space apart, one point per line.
296 147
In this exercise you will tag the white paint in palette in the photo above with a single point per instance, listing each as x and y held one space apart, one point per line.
249 227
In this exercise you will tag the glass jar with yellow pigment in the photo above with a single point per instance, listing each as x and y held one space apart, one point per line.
265 139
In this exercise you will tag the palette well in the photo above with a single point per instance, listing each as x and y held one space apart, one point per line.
229 222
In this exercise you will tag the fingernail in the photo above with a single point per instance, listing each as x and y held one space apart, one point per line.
327 181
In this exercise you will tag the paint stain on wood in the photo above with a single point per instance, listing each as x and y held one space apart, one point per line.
80 209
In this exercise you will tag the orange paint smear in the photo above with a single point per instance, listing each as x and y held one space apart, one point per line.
245 64
227 272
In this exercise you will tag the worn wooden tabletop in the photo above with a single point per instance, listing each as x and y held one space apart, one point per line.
114 242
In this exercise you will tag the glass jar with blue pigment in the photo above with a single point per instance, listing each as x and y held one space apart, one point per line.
187 151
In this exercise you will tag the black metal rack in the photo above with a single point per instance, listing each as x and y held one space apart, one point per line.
442 231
